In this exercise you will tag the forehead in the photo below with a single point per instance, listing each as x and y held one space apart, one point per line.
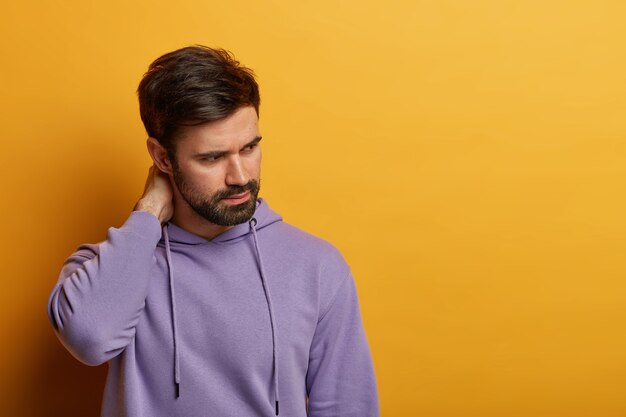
233 131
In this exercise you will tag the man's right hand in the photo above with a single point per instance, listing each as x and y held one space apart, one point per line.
157 195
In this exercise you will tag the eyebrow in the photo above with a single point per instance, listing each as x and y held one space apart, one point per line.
216 154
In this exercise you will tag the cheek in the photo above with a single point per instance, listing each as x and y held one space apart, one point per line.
254 166
204 180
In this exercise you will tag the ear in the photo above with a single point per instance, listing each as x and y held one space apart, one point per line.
159 155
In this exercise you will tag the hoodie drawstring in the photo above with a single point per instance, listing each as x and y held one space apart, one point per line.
168 255
252 223
269 306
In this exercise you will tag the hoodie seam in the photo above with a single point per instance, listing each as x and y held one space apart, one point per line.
335 296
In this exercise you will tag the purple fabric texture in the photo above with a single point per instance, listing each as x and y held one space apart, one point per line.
262 319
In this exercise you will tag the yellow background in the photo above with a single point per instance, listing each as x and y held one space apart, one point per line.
468 157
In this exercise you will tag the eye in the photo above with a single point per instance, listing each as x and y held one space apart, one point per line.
250 147
210 158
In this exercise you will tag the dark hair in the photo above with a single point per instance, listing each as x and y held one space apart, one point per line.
191 86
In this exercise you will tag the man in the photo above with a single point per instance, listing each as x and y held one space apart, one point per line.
205 303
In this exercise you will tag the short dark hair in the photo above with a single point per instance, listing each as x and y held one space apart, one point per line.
191 86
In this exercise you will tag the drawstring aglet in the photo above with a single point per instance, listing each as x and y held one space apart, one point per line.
276 407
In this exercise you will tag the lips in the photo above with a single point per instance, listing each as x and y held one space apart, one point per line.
238 198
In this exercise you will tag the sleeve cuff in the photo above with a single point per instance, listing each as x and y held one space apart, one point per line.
143 224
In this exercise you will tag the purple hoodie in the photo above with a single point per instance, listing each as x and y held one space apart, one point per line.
251 323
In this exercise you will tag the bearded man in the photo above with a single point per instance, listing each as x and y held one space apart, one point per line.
205 302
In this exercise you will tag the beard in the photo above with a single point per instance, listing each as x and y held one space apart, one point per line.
212 208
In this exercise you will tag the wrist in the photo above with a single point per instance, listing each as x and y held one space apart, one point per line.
151 207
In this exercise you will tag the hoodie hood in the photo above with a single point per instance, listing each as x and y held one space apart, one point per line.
174 236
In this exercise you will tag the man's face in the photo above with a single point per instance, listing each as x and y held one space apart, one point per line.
217 167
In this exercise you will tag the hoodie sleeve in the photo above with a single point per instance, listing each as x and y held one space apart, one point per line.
340 380
102 288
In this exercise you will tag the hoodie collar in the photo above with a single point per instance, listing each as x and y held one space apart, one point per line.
263 214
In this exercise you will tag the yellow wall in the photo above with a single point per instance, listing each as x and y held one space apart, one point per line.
467 156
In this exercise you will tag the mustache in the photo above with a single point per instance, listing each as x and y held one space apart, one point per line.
232 190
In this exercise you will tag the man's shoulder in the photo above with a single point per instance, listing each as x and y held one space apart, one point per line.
302 238
290 239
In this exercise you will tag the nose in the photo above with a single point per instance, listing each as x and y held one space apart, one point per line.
236 174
